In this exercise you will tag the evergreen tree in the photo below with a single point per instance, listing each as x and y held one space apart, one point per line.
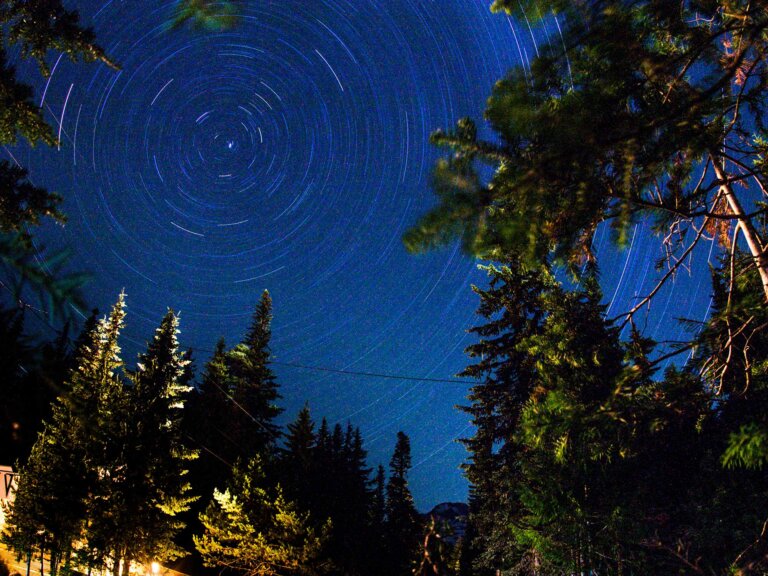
206 15
352 537
379 504
254 388
36 27
15 353
297 461
606 469
403 527
377 548
513 310
253 530
58 484
207 421
147 487
669 122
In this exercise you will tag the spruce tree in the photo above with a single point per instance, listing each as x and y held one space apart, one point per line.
297 460
403 527
255 389
513 310
153 488
59 485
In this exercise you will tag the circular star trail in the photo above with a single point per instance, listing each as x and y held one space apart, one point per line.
288 153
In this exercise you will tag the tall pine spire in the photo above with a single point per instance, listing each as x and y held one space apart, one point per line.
255 388
402 528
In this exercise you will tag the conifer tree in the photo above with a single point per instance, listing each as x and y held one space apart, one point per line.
207 422
255 389
148 488
378 531
252 530
297 461
35 28
378 506
513 310
58 484
599 130
403 527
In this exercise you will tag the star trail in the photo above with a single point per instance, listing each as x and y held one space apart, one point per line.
290 153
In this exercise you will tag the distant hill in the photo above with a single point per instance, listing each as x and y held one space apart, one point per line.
453 515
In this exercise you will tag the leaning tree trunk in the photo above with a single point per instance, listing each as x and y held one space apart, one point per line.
756 247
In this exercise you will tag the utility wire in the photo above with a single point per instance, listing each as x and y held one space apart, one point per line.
373 374
385 375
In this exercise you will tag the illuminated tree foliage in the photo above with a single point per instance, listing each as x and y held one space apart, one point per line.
57 481
142 486
668 122
255 531
108 471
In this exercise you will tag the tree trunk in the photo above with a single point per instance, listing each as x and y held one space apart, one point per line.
127 564
756 247
29 561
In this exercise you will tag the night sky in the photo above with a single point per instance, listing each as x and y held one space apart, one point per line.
290 153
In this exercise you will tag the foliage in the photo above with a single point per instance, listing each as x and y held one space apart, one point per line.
668 122
33 375
327 474
28 268
257 532
403 526
513 309
602 465
57 481
232 413
142 487
208 15
37 27
108 471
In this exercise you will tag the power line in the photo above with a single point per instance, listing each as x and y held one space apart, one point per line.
365 374
373 374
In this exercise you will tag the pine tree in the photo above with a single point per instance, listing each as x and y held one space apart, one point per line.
403 527
599 130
